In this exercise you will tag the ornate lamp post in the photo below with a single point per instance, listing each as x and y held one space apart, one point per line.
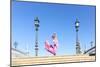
91 44
36 23
77 41
15 45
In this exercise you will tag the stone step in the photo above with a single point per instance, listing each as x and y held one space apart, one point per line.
51 59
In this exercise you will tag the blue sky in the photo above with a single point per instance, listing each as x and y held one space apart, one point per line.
59 18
